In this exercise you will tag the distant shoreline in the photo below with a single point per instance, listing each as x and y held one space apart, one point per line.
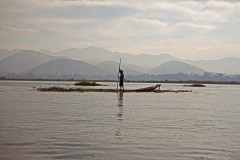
166 81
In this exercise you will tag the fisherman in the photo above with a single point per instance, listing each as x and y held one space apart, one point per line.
121 79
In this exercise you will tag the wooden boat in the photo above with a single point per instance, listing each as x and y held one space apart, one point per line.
148 89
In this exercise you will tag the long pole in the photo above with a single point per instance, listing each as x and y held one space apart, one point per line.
118 72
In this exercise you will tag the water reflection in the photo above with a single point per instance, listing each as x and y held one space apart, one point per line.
120 106
118 133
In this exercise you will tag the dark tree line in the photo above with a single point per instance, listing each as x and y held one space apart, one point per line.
214 77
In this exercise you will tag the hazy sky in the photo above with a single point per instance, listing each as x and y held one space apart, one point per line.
191 29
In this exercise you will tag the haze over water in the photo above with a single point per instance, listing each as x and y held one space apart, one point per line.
203 124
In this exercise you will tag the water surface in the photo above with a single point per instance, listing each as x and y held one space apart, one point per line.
203 124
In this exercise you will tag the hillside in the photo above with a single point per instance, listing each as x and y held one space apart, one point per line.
66 66
230 65
23 60
20 60
87 54
97 55
173 67
44 51
4 53
112 68
148 60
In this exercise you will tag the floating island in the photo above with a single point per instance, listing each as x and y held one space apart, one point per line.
195 85
154 89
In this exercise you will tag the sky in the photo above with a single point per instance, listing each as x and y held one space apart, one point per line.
188 29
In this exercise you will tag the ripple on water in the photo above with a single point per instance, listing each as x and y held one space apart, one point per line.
199 125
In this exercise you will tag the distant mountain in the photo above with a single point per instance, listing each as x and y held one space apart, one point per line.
16 51
226 65
20 60
23 60
66 66
149 60
87 54
172 67
97 55
140 69
4 53
112 68
44 51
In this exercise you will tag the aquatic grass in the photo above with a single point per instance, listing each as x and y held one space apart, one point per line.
195 85
61 89
88 83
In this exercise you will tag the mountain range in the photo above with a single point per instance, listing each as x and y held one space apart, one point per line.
23 60
172 67
4 53
66 66
97 61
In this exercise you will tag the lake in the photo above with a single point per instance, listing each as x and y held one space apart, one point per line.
199 125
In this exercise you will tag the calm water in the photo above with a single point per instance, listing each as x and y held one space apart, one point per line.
199 125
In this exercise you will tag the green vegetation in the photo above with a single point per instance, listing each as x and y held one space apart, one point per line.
195 85
61 89
87 83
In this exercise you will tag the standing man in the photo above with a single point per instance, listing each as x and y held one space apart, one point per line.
121 79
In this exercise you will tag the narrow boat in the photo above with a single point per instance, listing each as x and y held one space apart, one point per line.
148 89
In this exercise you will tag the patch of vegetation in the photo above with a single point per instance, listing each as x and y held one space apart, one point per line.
61 89
88 83
168 90
195 85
